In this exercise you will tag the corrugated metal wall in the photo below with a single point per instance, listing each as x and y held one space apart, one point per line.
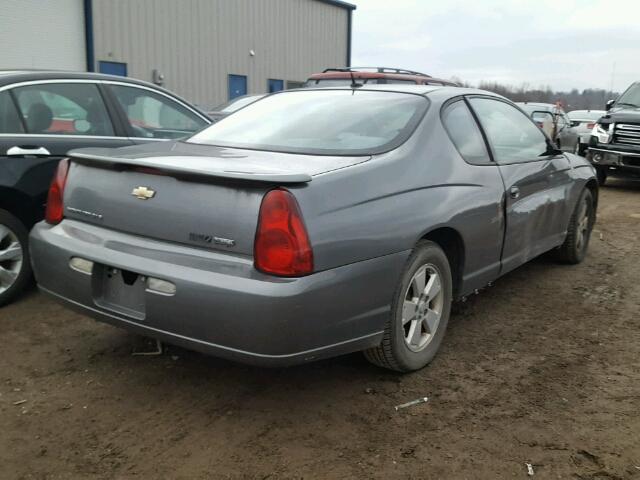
42 34
197 43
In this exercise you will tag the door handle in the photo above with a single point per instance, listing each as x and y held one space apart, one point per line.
18 151
514 192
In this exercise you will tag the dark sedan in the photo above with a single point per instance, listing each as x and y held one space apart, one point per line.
45 114
314 223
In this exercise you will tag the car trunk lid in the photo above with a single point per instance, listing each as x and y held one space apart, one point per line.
192 194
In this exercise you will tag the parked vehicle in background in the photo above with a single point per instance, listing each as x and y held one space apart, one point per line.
231 106
313 223
614 147
344 77
555 123
584 121
45 114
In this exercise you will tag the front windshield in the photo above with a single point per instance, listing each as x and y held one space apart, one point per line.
339 122
630 98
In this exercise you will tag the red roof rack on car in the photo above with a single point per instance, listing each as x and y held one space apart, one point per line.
377 70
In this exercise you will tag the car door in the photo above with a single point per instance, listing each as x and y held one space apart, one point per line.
151 115
536 180
53 117
567 134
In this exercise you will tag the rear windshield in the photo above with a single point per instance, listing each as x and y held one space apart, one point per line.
331 122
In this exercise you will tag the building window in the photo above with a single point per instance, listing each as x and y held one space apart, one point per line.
113 68
294 84
275 85
237 86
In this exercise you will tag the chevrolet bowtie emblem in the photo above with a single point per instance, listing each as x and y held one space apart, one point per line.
143 193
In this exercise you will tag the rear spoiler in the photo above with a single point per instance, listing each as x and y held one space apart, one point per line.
185 165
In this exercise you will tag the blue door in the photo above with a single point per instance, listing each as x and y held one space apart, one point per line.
113 68
275 85
237 86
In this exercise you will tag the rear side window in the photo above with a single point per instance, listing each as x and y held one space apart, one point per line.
464 133
332 122
152 115
9 118
63 109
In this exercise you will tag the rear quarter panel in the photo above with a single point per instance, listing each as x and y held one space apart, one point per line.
389 203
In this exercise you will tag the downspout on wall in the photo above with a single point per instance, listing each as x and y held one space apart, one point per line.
88 34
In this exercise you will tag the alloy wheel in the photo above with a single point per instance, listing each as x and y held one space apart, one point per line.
584 219
422 308
11 258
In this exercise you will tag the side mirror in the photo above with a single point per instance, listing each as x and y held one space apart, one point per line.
609 105
552 150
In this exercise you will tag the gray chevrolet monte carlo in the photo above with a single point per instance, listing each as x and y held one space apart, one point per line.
313 223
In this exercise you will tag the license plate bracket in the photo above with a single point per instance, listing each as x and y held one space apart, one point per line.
120 291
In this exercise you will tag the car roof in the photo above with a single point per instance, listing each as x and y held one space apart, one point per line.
549 106
582 112
393 75
14 76
9 77
442 91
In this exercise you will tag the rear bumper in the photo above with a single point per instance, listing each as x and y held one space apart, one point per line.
222 306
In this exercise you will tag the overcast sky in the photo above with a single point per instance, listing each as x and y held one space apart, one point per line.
561 43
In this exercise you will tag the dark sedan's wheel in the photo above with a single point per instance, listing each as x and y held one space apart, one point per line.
574 248
419 314
15 269
601 175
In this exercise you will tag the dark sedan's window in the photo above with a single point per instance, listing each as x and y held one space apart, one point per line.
464 133
337 122
9 118
152 115
63 109
512 135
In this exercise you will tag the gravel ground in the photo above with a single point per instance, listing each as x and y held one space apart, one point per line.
543 368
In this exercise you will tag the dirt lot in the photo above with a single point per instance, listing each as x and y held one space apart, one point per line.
542 368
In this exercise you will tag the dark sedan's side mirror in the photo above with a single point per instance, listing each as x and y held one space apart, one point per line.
609 105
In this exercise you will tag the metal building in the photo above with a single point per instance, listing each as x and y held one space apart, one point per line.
207 51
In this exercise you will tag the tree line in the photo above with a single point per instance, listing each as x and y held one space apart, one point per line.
587 99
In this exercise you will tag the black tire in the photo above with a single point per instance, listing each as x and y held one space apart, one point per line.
582 149
394 353
575 246
601 175
11 223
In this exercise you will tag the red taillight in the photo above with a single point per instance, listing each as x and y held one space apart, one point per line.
55 207
590 126
282 244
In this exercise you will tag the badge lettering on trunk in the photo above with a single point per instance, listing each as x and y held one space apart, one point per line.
211 239
143 193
